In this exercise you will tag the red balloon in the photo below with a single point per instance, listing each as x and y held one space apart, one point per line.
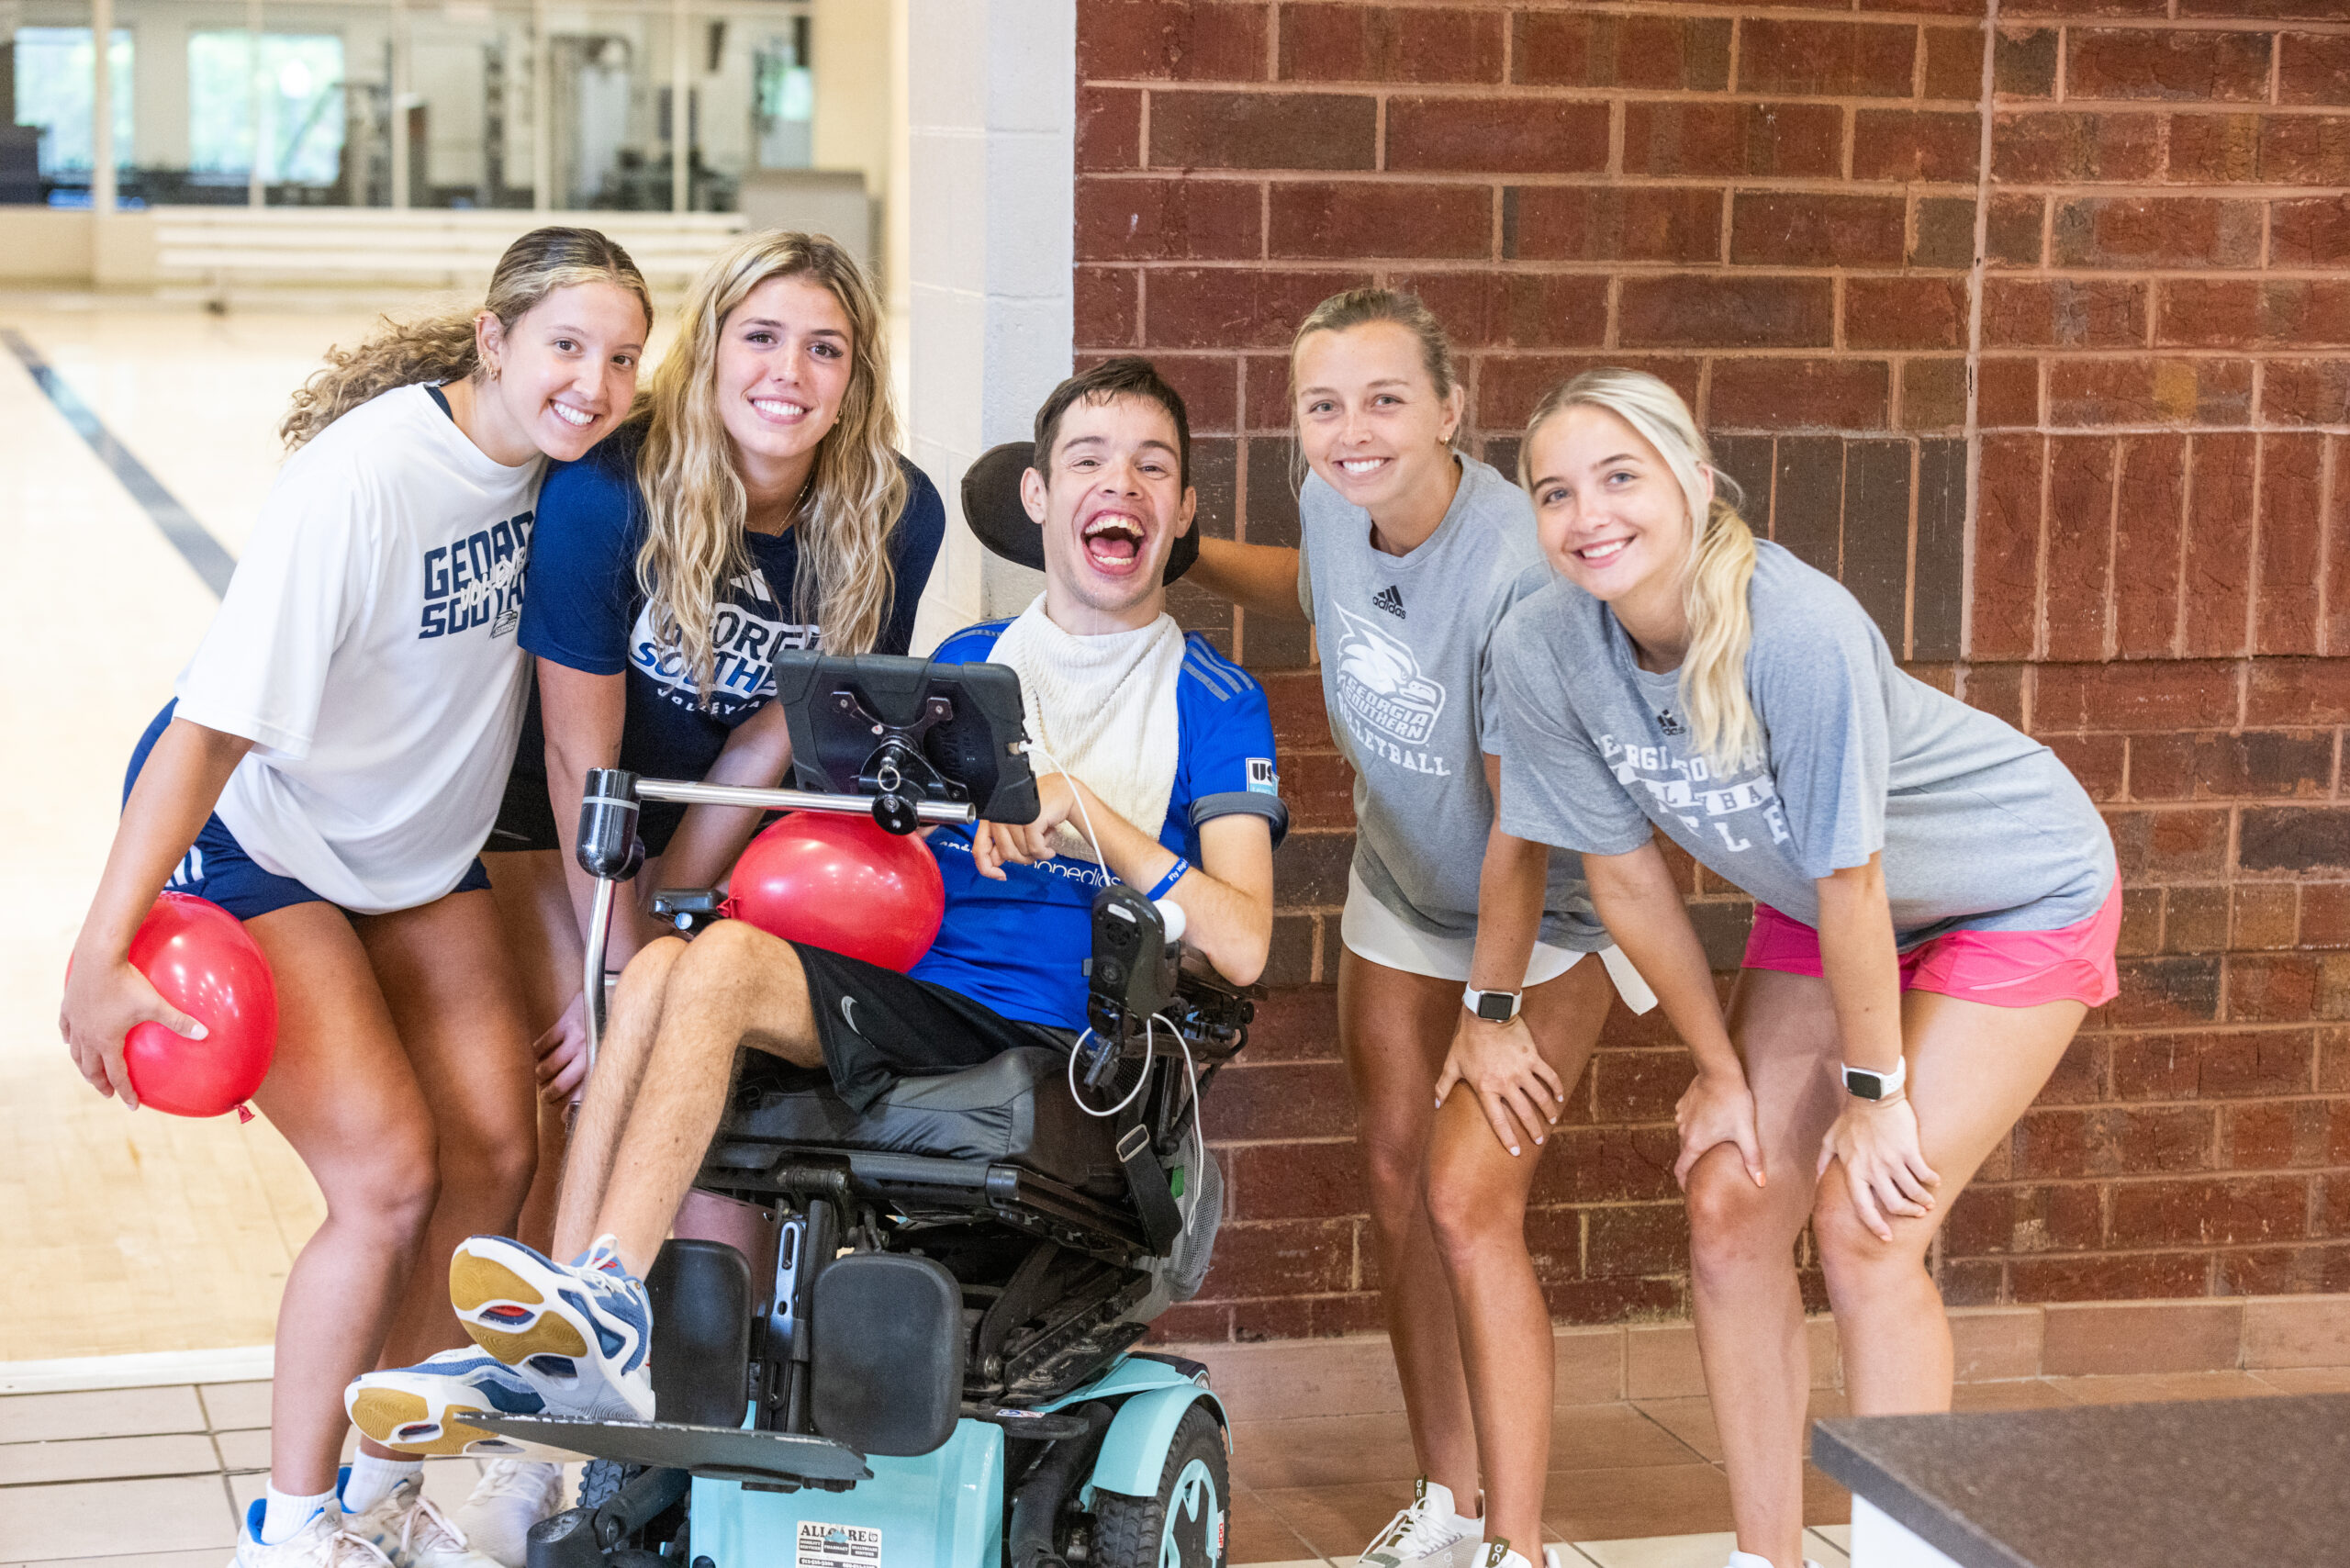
842 883
200 958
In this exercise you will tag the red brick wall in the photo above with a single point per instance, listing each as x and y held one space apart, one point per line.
2098 485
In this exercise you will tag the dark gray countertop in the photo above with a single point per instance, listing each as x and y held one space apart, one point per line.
2216 1483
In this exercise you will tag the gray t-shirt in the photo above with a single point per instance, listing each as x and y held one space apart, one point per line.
1407 678
1982 828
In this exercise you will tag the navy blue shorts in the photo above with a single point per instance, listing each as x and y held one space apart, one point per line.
217 867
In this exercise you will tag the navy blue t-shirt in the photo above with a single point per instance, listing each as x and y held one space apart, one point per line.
582 607
1020 945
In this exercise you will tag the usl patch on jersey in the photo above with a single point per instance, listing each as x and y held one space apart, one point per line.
1262 779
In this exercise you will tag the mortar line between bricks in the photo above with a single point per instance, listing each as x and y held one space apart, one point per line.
1976 272
1821 11
2077 22
1557 93
1579 93
2328 523
1760 272
2245 193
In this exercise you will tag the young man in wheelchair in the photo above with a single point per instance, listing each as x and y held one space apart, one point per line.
1154 761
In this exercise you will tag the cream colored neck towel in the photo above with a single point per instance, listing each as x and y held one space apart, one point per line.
1104 710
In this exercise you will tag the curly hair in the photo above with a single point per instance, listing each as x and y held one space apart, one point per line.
440 349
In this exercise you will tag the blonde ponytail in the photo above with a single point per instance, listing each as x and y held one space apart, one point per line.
1721 557
1713 674
441 349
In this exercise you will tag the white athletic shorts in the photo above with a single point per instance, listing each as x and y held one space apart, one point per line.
1371 930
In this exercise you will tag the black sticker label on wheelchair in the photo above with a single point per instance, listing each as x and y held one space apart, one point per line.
837 1545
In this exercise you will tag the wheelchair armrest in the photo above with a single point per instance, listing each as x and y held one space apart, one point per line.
1212 1013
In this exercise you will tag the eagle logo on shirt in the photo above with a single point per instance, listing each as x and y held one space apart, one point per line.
1380 683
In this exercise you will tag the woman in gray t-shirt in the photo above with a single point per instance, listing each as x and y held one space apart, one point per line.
1412 554
1936 907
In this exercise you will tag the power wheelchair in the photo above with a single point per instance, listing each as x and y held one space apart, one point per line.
936 1366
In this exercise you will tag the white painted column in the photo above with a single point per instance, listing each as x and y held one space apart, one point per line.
681 102
257 99
101 114
400 101
541 108
991 97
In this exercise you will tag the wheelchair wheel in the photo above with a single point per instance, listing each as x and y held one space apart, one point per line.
601 1480
1183 1526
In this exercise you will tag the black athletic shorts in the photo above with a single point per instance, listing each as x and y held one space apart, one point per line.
877 1026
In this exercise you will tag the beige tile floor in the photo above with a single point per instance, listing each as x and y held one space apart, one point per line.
143 1477
155 1477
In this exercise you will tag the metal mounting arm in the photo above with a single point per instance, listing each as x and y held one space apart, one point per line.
610 850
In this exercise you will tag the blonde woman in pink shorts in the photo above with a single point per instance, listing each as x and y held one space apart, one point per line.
1935 906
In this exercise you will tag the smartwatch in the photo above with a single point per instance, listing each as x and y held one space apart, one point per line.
1866 1083
1492 1006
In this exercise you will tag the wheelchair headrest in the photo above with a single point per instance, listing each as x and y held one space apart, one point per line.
991 506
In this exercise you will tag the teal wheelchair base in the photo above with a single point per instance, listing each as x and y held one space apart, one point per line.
1141 1480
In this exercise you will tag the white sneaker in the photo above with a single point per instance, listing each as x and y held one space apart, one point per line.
321 1543
411 1532
511 1495
1756 1560
1499 1555
1428 1534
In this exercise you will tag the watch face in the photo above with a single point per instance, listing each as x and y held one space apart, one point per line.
1495 1007
1867 1085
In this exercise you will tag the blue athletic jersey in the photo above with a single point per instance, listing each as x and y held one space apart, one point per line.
582 607
1020 945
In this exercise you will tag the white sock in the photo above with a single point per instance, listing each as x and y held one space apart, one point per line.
287 1515
372 1480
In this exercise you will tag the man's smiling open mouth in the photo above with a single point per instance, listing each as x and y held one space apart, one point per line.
1115 540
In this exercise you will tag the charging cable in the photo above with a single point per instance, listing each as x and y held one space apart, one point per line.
1083 815
1173 913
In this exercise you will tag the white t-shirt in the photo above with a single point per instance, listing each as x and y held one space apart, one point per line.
367 645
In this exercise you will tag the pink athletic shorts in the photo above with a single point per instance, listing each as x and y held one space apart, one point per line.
2000 969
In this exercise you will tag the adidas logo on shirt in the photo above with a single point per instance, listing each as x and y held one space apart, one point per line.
1391 599
1668 723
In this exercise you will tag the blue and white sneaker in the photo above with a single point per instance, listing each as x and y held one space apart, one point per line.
422 1409
580 1332
323 1542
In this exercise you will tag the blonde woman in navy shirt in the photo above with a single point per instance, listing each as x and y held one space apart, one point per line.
756 503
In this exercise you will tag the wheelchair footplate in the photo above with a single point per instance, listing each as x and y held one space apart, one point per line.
720 1453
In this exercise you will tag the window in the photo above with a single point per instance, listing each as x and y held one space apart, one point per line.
298 89
54 86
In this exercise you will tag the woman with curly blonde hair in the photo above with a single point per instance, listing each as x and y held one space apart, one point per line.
325 773
754 502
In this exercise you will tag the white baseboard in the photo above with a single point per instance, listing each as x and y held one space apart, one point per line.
242 1363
